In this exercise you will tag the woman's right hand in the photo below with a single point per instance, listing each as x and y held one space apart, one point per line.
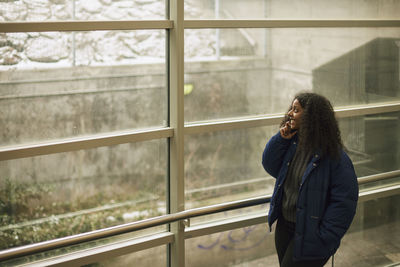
286 131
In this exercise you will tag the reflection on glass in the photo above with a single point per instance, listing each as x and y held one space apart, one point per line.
244 72
236 214
96 82
227 72
53 196
248 246
150 257
226 9
372 142
373 238
215 44
60 10
286 9
226 166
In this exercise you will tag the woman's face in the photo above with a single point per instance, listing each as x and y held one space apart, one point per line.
295 115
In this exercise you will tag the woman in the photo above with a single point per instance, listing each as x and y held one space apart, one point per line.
316 190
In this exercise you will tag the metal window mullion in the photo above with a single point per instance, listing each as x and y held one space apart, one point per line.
50 26
290 23
367 109
176 251
232 124
266 120
79 143
190 24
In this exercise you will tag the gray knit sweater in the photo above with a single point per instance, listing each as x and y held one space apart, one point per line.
292 184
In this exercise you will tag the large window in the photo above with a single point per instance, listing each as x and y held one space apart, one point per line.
117 112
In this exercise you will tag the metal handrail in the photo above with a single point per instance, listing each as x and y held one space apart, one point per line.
378 177
129 227
156 221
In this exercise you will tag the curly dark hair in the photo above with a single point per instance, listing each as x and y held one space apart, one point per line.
319 131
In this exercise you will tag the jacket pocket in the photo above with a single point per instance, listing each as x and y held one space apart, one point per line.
313 245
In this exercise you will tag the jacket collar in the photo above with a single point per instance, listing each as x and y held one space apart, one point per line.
316 156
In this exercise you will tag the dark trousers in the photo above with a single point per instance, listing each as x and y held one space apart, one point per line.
284 242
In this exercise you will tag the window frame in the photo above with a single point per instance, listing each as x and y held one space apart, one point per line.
176 129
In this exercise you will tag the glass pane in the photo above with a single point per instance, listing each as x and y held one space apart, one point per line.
349 66
151 257
284 9
248 246
217 44
226 166
374 237
45 10
72 84
226 73
63 194
100 244
237 214
373 142
243 72
226 9
372 240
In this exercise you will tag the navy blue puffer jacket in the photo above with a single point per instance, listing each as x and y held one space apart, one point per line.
327 199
